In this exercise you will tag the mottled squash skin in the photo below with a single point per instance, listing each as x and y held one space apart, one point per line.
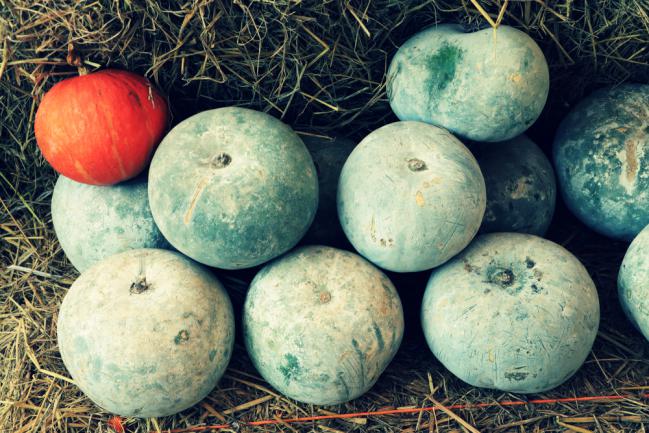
146 333
329 156
321 324
513 312
632 283
521 189
410 197
233 188
94 222
601 154
486 86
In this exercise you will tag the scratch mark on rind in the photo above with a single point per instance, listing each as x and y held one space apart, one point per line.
195 196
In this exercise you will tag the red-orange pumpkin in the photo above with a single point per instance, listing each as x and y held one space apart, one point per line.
101 128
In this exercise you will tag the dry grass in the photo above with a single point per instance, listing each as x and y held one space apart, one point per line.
320 66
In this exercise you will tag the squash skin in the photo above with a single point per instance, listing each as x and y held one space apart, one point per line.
94 222
146 347
521 188
512 312
601 158
101 128
485 86
632 283
321 324
244 191
410 197
329 156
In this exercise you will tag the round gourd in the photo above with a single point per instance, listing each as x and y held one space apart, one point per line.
602 160
146 333
513 312
329 156
410 197
321 324
100 128
232 187
521 190
490 85
632 283
94 222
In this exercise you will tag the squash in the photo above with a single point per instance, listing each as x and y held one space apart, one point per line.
632 283
146 333
512 312
521 190
100 128
489 85
410 197
329 156
94 222
233 187
321 324
601 154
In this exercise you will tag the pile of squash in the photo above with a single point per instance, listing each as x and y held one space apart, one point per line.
453 187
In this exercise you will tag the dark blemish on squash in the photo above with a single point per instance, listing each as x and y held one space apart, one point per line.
517 376
291 369
487 291
470 268
182 336
135 98
140 285
536 289
221 160
529 263
442 67
379 336
212 354
138 410
415 164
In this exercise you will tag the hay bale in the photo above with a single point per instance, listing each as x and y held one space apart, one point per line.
319 65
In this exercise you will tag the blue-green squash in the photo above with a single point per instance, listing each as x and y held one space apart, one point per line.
232 187
632 283
321 324
146 333
521 189
489 85
93 222
410 196
601 154
329 156
512 312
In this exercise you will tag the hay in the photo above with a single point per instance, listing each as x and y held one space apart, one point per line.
320 66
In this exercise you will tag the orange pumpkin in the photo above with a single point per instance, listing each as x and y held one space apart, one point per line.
101 128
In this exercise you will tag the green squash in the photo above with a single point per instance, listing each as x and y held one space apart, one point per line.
232 188
601 153
321 324
632 283
489 85
410 197
93 222
512 312
329 156
521 190
146 333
